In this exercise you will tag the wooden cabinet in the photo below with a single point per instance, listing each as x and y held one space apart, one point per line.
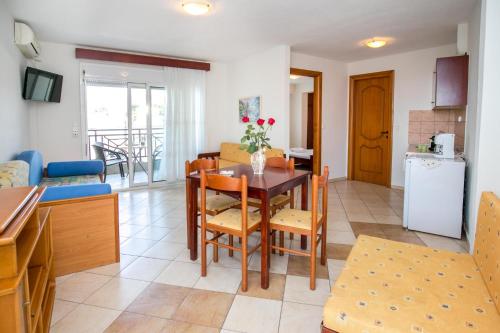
27 279
451 82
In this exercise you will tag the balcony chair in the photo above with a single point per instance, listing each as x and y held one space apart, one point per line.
110 156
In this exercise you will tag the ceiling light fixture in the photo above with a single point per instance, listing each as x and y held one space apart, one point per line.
196 7
294 77
376 43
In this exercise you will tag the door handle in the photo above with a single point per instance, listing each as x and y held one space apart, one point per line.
384 132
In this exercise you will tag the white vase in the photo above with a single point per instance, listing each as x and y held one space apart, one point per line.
258 162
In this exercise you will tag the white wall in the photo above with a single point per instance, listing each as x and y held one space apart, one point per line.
14 129
334 92
486 158
52 123
263 74
413 84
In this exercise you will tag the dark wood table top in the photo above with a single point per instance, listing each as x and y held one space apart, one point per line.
271 178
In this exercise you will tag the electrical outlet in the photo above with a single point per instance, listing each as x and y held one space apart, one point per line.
76 132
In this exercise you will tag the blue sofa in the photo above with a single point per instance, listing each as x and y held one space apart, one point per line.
65 180
83 209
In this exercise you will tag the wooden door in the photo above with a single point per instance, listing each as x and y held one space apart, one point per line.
370 145
310 120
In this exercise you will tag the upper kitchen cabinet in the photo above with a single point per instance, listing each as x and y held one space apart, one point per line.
451 82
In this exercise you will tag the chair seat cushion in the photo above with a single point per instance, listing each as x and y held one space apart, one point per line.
71 180
219 203
389 286
275 201
232 219
296 218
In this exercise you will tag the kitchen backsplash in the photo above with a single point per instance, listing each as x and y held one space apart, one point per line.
425 123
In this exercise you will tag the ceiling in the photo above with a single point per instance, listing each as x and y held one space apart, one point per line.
236 28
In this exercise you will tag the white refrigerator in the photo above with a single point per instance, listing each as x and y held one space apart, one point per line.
434 192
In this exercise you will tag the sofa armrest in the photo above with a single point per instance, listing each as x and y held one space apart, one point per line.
75 168
211 156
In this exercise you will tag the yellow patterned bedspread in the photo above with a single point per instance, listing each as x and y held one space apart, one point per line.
389 286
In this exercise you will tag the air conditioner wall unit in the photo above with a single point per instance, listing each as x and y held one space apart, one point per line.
26 41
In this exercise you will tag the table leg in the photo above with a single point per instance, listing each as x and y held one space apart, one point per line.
193 223
265 259
303 206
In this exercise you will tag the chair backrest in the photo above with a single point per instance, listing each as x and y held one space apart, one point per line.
280 162
98 148
201 164
320 183
487 244
225 184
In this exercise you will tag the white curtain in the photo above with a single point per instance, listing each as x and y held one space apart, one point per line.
184 120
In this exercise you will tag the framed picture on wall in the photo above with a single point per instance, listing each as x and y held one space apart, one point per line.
250 107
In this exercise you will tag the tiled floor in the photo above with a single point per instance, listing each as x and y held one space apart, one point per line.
156 288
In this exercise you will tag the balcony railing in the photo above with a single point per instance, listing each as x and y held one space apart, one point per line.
118 139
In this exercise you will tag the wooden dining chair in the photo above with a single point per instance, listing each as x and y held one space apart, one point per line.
215 204
234 222
307 223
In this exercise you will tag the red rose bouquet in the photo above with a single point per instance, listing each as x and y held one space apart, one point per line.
255 137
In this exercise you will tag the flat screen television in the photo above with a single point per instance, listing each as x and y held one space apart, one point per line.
42 86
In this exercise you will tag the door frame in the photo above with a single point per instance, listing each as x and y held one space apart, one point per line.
317 113
350 159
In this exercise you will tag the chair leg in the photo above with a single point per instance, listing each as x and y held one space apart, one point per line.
216 248
231 243
282 242
244 272
203 250
239 240
273 240
291 235
122 173
323 244
312 283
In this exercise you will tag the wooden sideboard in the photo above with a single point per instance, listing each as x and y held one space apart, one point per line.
27 279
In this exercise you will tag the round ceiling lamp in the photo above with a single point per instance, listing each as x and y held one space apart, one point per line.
196 7
376 43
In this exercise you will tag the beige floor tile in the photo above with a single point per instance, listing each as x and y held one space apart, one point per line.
123 239
300 318
206 308
86 319
180 273
129 322
384 219
297 290
275 290
361 217
266 314
186 256
385 211
440 242
61 279
221 279
335 267
79 286
279 264
165 250
154 233
341 237
136 246
129 230
338 251
300 266
339 226
115 268
169 222
159 300
178 235
225 260
117 294
173 326
146 269
61 309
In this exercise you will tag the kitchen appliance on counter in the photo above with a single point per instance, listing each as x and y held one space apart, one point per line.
445 145
434 190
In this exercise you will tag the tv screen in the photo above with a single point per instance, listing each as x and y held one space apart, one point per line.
42 86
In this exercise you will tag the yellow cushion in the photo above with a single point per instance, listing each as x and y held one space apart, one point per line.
218 203
487 244
389 286
232 152
232 219
295 218
226 164
275 201
14 173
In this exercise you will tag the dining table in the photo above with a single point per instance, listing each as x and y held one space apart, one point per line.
273 182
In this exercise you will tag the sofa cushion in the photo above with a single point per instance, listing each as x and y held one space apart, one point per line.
232 152
75 191
14 173
487 244
389 286
35 161
70 180
74 168
226 164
